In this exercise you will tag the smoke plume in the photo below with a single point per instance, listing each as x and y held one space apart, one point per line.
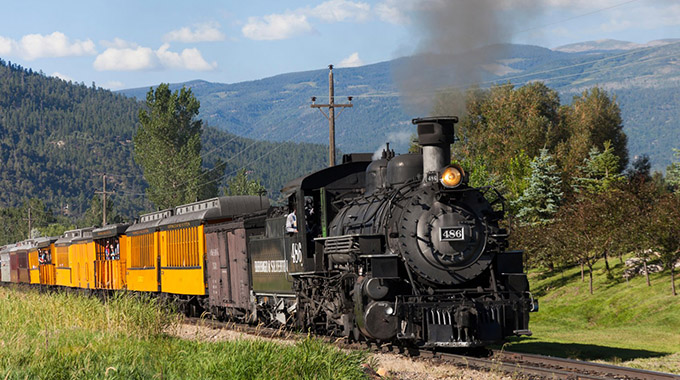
458 38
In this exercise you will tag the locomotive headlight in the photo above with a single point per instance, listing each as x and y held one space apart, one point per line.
452 176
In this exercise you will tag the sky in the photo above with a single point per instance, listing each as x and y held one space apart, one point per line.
128 44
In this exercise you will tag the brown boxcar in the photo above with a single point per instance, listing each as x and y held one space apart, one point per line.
18 262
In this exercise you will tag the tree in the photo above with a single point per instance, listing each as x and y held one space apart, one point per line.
167 146
93 216
504 121
664 232
241 185
592 119
600 170
541 199
673 172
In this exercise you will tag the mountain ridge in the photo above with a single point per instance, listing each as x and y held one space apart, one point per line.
645 81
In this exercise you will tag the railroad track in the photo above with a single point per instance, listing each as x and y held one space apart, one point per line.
515 364
547 367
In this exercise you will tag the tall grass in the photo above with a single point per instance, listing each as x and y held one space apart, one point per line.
66 336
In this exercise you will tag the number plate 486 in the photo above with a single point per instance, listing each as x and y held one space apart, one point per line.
452 233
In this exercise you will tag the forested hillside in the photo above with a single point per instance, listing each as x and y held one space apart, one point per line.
57 139
643 78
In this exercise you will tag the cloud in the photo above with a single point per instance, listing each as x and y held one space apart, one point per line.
208 32
276 27
395 11
643 17
352 61
340 10
6 46
294 23
63 77
189 59
113 85
126 59
130 57
119 43
34 46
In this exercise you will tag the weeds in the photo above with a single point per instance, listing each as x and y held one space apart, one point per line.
67 336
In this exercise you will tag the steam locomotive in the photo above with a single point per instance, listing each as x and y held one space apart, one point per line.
397 250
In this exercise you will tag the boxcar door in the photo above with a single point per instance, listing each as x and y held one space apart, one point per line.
214 244
238 268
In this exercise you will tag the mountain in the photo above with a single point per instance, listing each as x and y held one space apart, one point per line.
607 44
644 78
58 139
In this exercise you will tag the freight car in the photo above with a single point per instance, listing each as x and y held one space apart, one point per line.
396 250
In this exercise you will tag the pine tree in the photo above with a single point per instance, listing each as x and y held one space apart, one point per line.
241 185
673 172
600 170
541 199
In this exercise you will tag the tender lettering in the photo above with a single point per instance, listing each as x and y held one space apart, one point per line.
270 266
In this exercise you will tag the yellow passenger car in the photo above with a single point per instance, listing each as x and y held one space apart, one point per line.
142 249
81 255
41 263
110 257
62 259
182 242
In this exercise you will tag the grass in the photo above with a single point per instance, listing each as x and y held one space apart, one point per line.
623 322
64 336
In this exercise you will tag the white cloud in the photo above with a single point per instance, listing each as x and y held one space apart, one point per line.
294 23
119 43
276 27
643 17
399 12
189 59
126 59
208 32
340 10
34 46
62 77
352 61
113 85
6 46
143 58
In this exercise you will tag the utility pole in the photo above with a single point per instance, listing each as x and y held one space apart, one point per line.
331 114
103 193
29 219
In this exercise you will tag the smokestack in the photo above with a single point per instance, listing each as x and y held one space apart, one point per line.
435 135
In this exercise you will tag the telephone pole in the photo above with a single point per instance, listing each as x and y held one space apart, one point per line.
29 219
331 114
103 193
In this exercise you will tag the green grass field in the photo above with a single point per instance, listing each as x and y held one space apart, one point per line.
62 336
622 322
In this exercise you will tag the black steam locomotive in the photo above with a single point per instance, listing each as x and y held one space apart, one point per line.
396 250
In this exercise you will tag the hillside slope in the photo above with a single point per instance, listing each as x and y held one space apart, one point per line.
57 139
644 78
622 322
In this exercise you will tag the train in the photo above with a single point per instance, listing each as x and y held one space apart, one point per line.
396 250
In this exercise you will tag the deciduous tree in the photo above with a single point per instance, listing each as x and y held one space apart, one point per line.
168 145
